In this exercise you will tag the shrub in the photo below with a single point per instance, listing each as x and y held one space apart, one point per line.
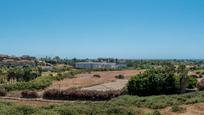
67 111
2 92
24 110
52 94
192 82
120 111
29 94
198 72
97 75
177 109
75 94
152 82
120 76
156 112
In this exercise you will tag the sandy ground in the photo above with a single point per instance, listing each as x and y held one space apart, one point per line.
87 79
116 85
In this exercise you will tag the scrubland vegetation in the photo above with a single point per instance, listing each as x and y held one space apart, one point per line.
163 84
123 105
19 79
76 94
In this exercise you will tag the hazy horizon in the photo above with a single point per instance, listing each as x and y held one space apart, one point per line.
129 29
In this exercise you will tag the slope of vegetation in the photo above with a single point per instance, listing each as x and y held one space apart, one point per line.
123 105
40 82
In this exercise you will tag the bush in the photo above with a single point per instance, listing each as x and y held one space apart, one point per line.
152 82
97 75
75 94
154 113
52 94
177 109
24 110
120 76
192 82
68 75
120 111
198 72
29 94
2 92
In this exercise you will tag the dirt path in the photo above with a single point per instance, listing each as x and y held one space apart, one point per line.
116 85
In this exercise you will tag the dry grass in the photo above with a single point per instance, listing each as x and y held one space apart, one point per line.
87 79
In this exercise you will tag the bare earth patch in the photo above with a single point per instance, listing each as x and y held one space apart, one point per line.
116 85
87 79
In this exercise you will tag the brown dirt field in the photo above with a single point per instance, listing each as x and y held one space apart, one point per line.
116 85
87 79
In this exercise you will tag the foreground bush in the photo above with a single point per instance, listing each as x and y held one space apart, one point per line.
122 105
154 113
2 92
176 108
75 94
29 94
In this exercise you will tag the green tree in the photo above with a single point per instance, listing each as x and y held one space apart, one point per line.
183 73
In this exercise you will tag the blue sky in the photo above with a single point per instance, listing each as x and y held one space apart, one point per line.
103 28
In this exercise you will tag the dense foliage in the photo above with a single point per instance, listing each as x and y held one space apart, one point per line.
152 82
165 80
29 94
19 74
2 91
38 83
192 82
74 94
